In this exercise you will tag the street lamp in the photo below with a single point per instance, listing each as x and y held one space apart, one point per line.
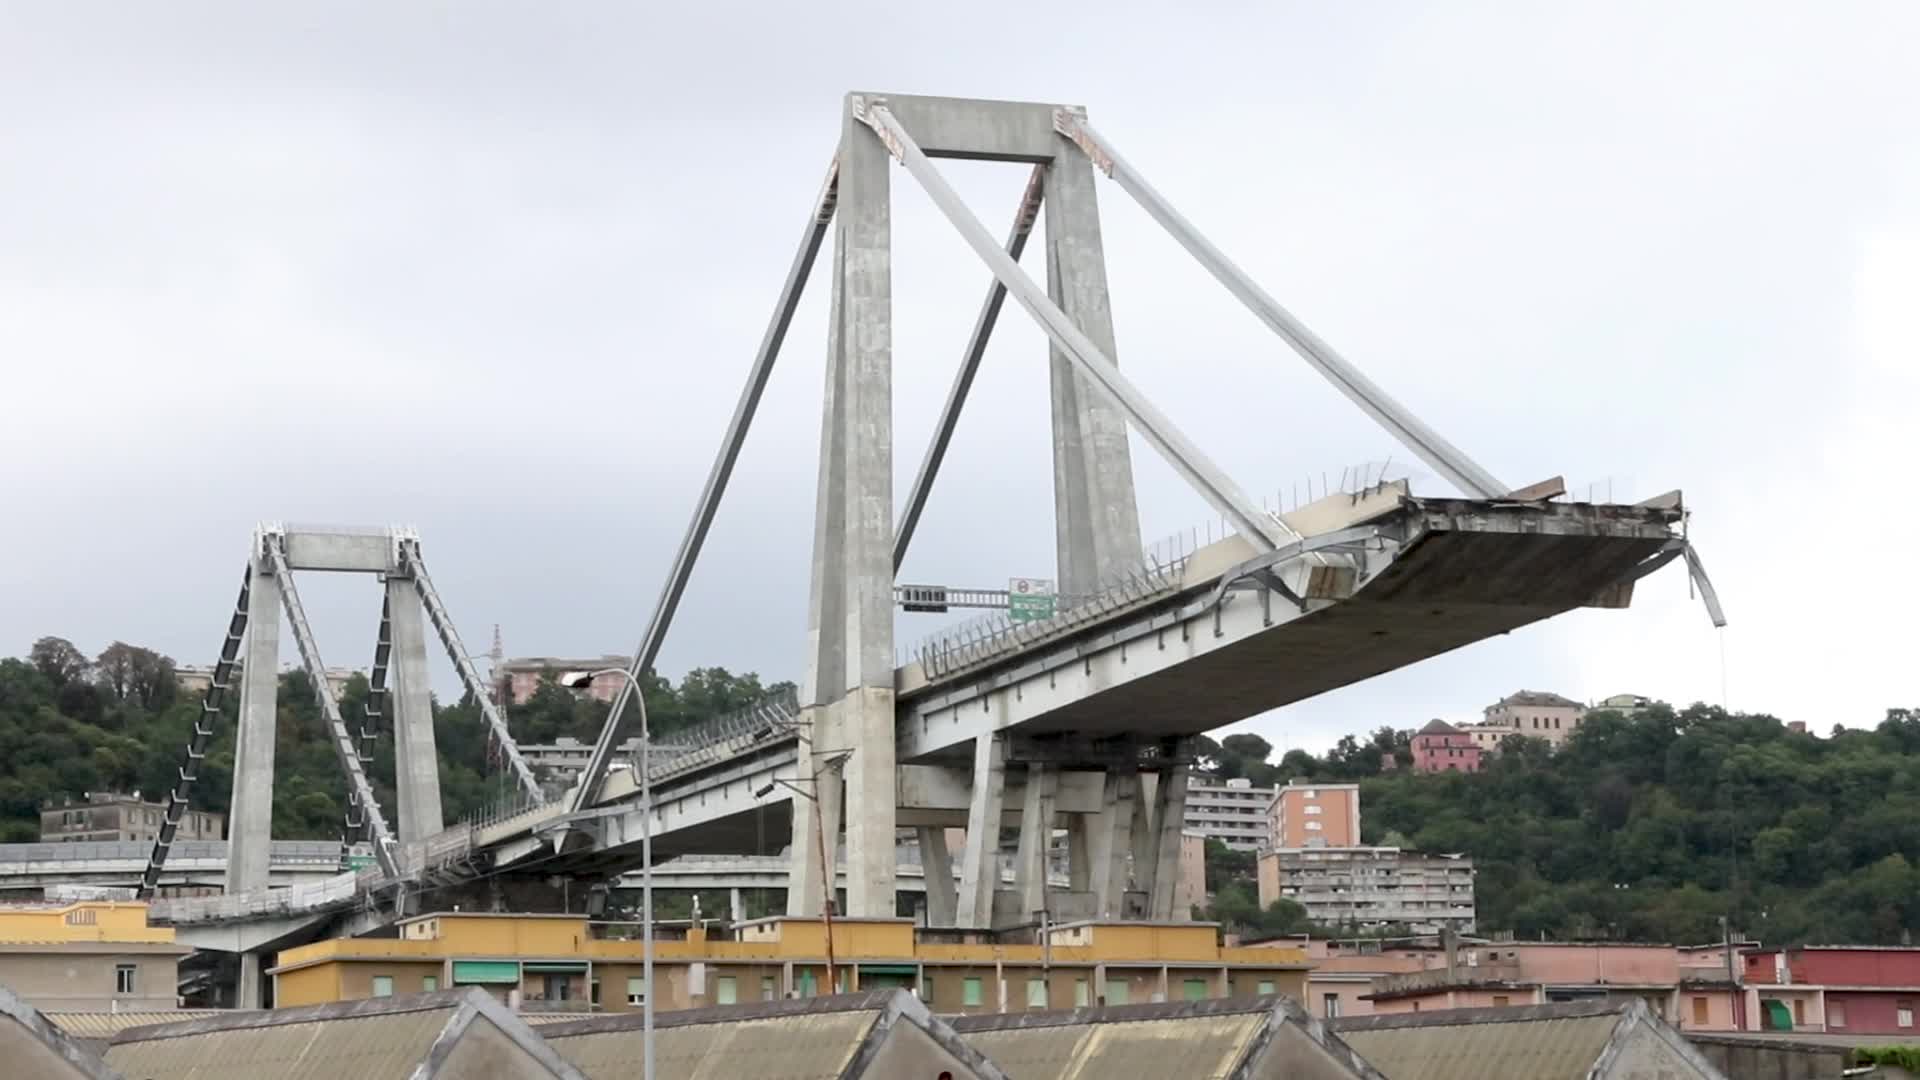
580 680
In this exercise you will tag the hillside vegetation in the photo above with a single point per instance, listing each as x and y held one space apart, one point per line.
70 724
1654 826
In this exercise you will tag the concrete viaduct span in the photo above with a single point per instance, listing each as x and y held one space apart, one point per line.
1082 720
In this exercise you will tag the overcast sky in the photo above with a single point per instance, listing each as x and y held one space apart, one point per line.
496 271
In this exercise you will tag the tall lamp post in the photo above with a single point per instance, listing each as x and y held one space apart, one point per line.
580 680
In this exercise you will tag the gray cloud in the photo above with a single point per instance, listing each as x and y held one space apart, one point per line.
496 270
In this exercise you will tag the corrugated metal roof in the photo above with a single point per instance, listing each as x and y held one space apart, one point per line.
33 1049
806 1046
1197 1047
1551 1048
105 1025
408 1035
359 1048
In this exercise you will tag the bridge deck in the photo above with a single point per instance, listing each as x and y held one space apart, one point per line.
1463 571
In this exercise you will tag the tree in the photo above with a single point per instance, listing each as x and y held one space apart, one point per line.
131 673
58 660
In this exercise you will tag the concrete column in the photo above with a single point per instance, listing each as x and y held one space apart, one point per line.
250 991
416 762
1036 830
1169 816
1110 844
936 863
1141 834
1080 851
850 621
250 817
864 241
827 599
1097 522
806 887
980 870
736 906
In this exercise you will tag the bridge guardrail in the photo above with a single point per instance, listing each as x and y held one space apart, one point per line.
337 891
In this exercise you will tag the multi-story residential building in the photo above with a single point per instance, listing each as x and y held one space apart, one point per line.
88 956
1441 747
516 678
1304 814
1533 713
1846 989
1368 887
566 963
110 817
1234 812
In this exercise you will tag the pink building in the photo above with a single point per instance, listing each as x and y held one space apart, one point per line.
517 679
1441 747
1848 989
1690 988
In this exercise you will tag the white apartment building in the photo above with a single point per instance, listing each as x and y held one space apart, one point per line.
1233 812
1371 887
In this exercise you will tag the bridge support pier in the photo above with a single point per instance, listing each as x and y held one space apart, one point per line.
1036 837
250 817
980 870
820 799
1169 817
416 761
249 990
1109 844
936 867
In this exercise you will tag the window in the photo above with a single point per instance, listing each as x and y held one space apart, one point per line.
82 917
1116 991
1836 1013
767 990
1194 989
1036 993
1313 809
1313 826
1903 1014
1080 999
725 991
1329 1005
970 991
126 980
1265 987
430 983
636 990
383 986
1700 1011
1312 794
1501 1001
1799 1011
805 983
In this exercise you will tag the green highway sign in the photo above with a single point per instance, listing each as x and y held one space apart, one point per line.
1029 599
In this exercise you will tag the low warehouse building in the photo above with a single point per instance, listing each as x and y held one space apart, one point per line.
1247 1039
1578 1040
452 1034
34 1049
877 1035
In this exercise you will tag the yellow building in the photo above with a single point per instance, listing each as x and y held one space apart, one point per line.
567 963
88 955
